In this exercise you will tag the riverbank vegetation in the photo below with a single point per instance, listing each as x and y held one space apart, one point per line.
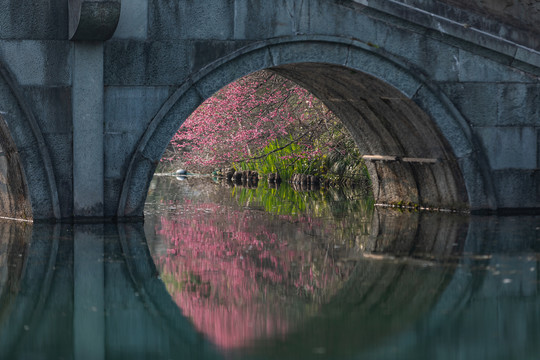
268 124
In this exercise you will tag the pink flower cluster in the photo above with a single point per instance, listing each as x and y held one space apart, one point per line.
242 119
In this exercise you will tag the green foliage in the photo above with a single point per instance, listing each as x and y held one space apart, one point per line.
321 203
266 123
285 157
288 158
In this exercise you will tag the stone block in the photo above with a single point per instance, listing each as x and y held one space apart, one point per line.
88 131
437 60
310 51
503 104
34 20
260 19
133 22
219 75
138 187
113 189
348 23
207 51
38 186
170 123
51 107
409 43
481 195
475 68
191 19
516 188
538 153
130 109
118 150
129 62
26 60
15 118
38 62
453 128
509 147
60 151
477 102
519 104
368 61
528 56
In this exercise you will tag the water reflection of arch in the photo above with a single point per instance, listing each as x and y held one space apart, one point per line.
54 306
388 306
400 302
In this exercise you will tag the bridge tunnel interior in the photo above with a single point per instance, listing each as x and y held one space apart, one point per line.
14 196
408 159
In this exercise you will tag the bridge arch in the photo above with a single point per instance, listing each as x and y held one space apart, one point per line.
27 182
421 150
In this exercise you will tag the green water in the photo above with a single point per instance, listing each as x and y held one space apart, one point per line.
237 273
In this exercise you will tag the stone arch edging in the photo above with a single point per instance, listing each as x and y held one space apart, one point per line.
35 158
350 53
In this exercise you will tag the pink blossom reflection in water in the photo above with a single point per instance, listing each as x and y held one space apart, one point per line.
241 275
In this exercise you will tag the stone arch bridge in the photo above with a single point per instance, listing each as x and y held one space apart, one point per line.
442 97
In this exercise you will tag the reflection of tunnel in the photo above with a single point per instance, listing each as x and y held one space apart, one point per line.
13 190
436 287
408 158
95 287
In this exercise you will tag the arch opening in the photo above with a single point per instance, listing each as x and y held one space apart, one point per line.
14 196
28 182
408 159
271 126
419 149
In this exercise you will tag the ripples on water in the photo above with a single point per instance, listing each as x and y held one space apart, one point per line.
221 272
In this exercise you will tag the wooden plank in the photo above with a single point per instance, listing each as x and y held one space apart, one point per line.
379 158
397 158
420 160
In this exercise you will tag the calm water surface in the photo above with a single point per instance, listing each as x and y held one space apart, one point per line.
220 272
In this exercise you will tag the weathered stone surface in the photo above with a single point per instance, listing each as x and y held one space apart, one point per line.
276 18
112 190
128 112
61 153
512 20
52 107
248 61
510 184
88 112
410 79
39 63
135 63
524 15
509 147
133 21
191 19
34 20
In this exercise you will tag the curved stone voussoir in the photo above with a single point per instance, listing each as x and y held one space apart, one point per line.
93 20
